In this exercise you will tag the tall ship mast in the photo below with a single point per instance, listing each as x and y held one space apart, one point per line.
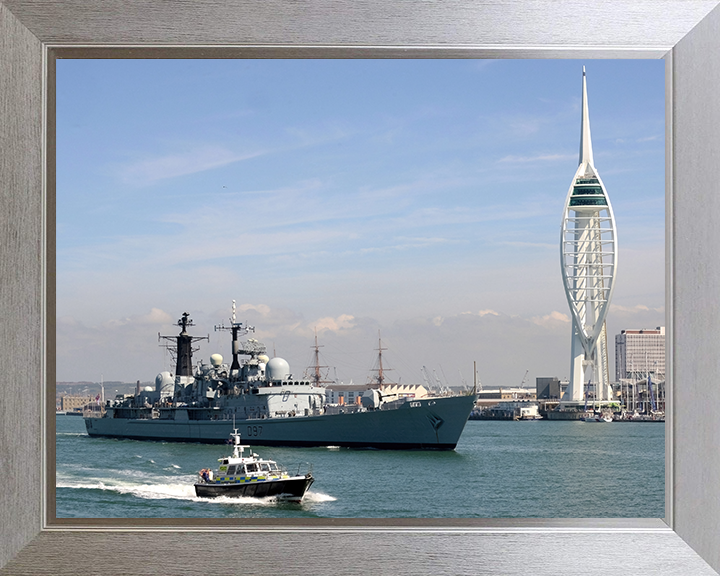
317 377
379 379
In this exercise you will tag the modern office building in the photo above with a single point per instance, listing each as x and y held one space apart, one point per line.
639 353
588 255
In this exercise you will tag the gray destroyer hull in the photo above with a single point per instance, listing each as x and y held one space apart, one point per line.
426 424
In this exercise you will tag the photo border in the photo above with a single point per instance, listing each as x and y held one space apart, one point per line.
40 537
59 52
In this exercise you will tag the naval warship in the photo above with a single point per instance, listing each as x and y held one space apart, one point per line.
270 406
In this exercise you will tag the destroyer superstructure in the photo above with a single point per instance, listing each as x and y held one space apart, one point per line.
271 407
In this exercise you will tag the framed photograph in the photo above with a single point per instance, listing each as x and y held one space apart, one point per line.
400 211
38 541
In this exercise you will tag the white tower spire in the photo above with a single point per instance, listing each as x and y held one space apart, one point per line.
586 155
588 257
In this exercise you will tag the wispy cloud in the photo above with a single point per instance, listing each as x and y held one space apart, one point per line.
517 244
650 138
553 317
198 159
537 158
637 309
406 244
342 322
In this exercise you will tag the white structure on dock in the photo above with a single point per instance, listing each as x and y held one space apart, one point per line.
588 256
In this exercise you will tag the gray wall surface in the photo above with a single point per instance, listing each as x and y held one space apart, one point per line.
687 542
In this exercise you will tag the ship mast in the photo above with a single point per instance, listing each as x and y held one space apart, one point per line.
380 378
235 327
317 374
182 348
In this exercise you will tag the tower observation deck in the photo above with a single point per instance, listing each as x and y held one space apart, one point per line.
588 259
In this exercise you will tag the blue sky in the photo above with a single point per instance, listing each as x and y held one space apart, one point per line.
421 198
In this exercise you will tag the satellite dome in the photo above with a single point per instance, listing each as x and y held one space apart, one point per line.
264 358
277 369
216 360
165 384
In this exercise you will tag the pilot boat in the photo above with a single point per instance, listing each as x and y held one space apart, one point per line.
251 476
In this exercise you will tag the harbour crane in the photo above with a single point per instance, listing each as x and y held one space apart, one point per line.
522 384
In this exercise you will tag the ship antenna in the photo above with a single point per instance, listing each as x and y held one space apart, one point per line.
235 327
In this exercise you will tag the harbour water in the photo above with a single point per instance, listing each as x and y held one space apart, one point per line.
500 469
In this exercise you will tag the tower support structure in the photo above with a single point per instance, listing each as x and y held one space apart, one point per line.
588 258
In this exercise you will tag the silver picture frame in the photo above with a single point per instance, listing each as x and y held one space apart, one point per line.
686 33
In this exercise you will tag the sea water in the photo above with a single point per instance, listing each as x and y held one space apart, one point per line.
505 469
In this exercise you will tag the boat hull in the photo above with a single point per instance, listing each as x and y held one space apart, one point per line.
290 489
426 424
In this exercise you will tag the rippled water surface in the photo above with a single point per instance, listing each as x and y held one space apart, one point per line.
500 469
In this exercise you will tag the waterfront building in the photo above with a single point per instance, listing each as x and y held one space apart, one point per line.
509 393
639 353
640 368
588 254
352 393
71 403
550 388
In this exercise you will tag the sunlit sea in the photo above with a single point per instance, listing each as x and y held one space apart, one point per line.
543 469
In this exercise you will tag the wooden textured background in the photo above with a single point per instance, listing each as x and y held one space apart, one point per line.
31 543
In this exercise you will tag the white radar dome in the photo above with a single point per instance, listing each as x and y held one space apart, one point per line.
165 384
277 369
216 360
264 358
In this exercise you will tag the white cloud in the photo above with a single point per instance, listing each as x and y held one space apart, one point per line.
262 309
198 159
637 309
482 313
554 316
156 316
342 322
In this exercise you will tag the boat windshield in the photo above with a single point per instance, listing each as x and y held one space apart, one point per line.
274 466
265 467
252 467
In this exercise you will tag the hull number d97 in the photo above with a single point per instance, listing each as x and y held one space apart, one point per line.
254 430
